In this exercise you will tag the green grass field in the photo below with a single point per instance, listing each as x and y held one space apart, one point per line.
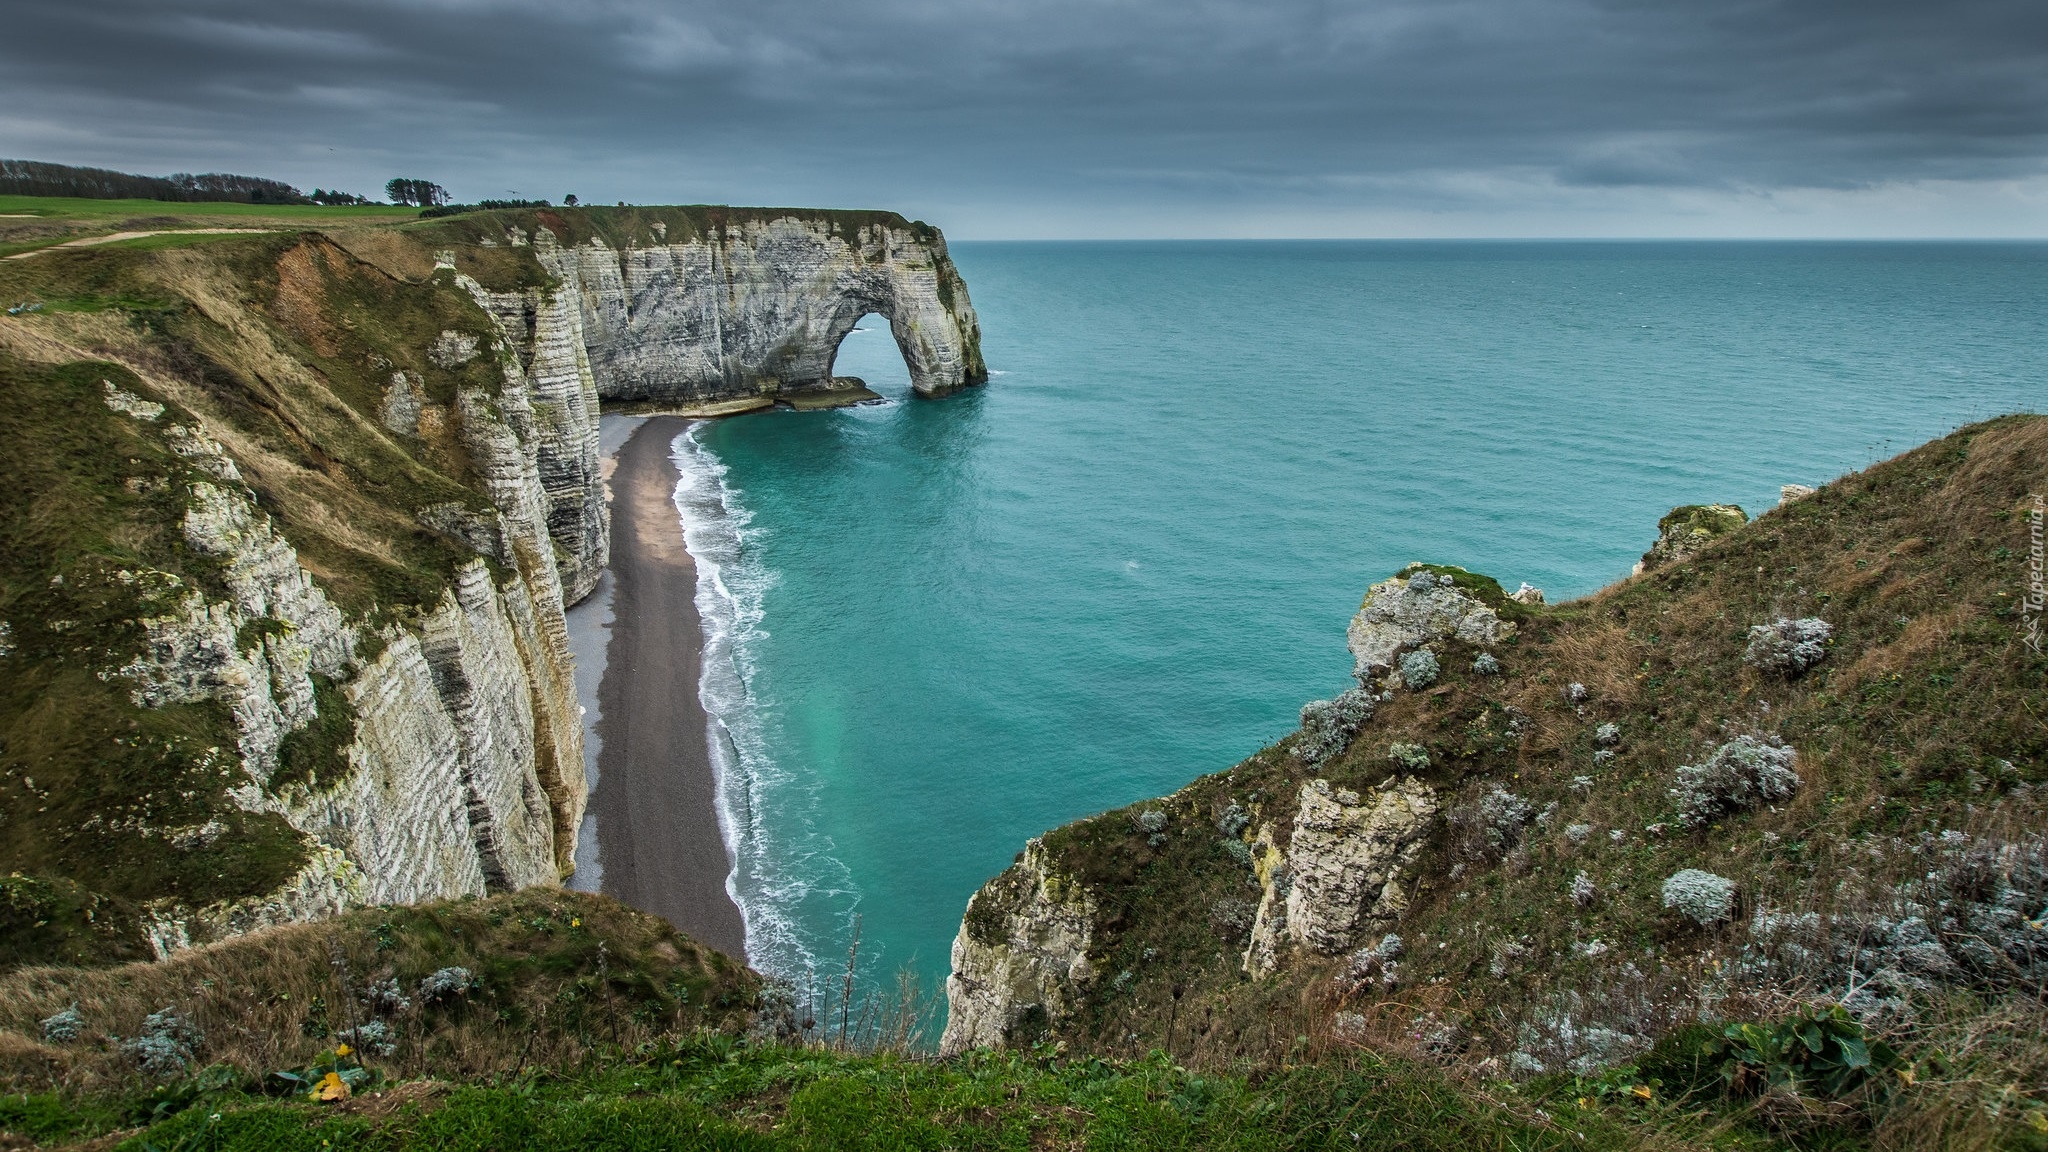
70 208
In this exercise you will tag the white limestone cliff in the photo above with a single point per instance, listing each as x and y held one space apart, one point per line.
1344 872
1021 957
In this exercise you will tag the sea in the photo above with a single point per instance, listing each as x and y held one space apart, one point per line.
936 629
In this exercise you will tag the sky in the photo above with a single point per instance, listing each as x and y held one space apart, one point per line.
1088 118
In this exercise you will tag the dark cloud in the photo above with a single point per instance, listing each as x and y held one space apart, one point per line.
1183 110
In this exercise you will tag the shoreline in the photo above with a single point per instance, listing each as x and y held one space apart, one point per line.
655 803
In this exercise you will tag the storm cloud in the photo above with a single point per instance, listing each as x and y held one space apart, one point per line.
1089 117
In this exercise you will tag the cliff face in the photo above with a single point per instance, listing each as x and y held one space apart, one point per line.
1790 759
757 307
349 488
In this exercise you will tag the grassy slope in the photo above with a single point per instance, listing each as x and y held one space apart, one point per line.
1929 714
596 1026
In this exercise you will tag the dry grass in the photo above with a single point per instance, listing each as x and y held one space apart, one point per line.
563 975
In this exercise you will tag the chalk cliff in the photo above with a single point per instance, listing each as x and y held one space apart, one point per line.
381 448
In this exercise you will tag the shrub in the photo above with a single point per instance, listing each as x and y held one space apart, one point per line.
63 1027
1152 820
1786 646
1234 820
1413 757
1741 774
1582 890
167 1044
1702 896
384 998
1327 726
1575 692
374 1037
1419 668
1490 827
1607 735
446 984
1486 665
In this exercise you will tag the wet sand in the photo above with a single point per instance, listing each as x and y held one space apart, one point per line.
656 803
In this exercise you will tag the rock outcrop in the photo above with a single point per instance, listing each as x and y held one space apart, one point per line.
1344 872
1414 609
1020 962
1685 530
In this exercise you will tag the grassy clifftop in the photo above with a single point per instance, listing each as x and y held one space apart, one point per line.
1905 871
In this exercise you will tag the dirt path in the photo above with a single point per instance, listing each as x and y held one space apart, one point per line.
90 241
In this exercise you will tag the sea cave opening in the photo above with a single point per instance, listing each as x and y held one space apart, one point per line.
869 351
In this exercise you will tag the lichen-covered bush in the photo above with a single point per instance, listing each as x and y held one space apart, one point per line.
1741 774
1486 665
1786 646
384 997
1491 826
1413 757
1232 918
373 1037
1583 890
62 1027
1152 820
1327 726
446 984
1701 896
167 1044
1234 820
1419 668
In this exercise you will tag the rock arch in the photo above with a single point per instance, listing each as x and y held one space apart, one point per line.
758 308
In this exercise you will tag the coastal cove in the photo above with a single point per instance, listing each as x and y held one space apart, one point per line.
954 625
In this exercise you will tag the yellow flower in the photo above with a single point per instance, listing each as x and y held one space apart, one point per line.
342 1050
576 922
331 1087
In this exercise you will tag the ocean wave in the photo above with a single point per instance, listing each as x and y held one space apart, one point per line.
781 863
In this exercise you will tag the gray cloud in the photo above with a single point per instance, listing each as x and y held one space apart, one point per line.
1192 114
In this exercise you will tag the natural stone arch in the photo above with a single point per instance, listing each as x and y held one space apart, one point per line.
758 308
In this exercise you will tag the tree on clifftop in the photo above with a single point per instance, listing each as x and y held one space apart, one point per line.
424 193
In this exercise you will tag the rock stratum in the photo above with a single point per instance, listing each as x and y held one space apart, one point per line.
289 544
1791 759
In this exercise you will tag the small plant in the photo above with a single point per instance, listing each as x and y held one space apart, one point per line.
1327 726
1823 1052
1576 692
1741 774
1583 890
1486 665
62 1027
384 997
1491 826
1413 757
446 984
1234 820
1419 668
1786 646
374 1037
333 1075
1607 735
167 1044
1701 896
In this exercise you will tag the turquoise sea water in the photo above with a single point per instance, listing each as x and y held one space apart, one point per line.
942 628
